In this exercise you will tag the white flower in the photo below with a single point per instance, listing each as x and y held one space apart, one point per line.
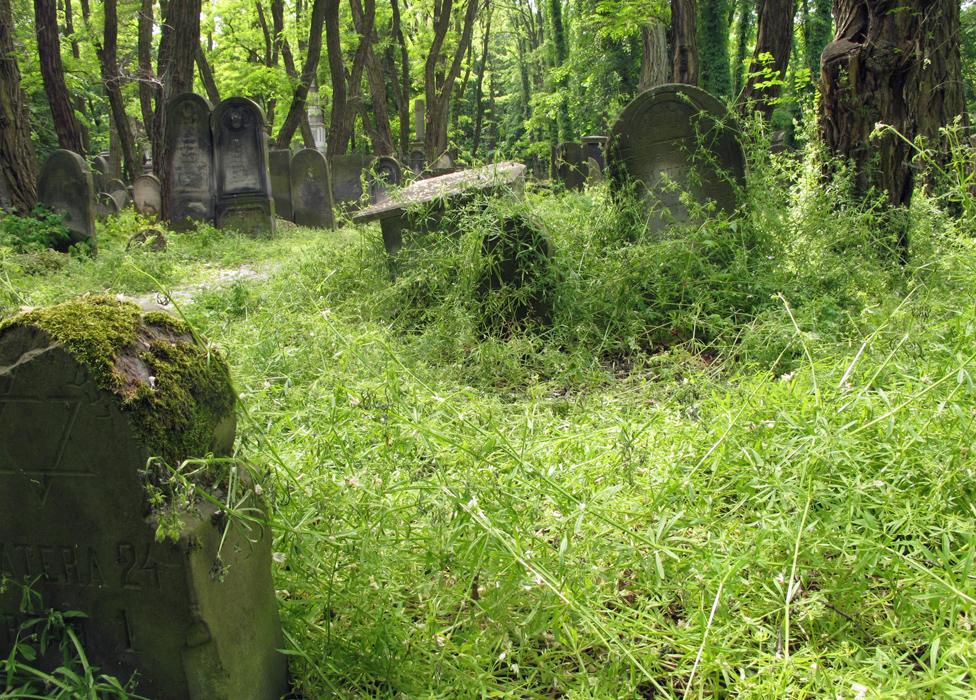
860 691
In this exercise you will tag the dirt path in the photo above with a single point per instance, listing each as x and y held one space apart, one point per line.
222 277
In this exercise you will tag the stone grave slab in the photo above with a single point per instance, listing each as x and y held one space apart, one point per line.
672 139
101 172
595 147
433 195
570 165
187 192
89 391
279 168
347 173
146 195
311 189
387 173
243 194
105 205
65 186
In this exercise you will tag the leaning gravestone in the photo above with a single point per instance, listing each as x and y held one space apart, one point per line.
311 189
105 206
187 194
347 176
670 140
243 200
570 165
279 168
421 206
89 391
65 186
146 196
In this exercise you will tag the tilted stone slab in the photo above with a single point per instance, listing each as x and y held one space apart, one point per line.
65 186
311 189
89 391
243 193
395 215
673 139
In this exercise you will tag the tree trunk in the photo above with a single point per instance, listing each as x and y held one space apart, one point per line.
79 100
713 47
207 76
364 17
684 42
479 91
560 52
817 34
296 111
403 102
66 124
654 57
147 79
345 88
108 56
743 30
895 66
280 46
18 173
774 36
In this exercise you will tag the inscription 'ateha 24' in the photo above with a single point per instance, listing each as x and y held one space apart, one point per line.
128 567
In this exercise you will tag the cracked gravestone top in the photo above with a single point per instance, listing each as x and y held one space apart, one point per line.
89 391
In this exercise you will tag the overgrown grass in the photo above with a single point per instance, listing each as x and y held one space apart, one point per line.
739 461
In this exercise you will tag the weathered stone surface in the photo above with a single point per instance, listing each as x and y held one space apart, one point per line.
387 173
151 239
311 189
595 147
348 172
89 392
594 173
113 185
243 200
671 139
146 196
101 172
279 168
570 165
190 196
121 198
65 186
105 205
438 193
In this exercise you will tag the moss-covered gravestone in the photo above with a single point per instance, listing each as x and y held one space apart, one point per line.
90 391
243 200
187 188
65 186
673 140
311 189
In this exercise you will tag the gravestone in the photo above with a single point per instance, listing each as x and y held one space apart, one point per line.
121 198
418 155
101 172
311 190
243 200
187 194
387 173
670 140
570 165
146 195
114 184
151 239
595 147
105 205
279 168
347 173
421 206
84 406
594 173
65 186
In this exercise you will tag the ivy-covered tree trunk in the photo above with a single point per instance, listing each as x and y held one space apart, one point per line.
684 42
774 36
18 172
713 47
743 30
897 65
297 109
66 124
560 52
655 69
111 78
816 34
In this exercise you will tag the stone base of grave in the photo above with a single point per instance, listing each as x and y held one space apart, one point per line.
252 216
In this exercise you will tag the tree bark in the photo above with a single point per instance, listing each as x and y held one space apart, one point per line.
403 101
147 79
774 36
281 47
479 91
297 109
684 42
18 172
66 124
79 100
742 31
654 55
364 17
207 76
895 66
108 56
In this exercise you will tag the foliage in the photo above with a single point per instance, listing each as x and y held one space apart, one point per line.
41 230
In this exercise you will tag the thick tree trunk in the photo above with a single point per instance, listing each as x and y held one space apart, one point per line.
345 87
147 79
79 100
684 42
895 66
742 31
479 91
66 124
207 77
296 111
108 56
18 172
816 33
364 17
713 47
774 36
560 52
403 100
654 56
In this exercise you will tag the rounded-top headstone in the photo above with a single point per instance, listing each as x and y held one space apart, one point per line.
99 402
595 147
105 205
187 194
146 196
311 189
570 165
387 172
243 194
65 186
674 139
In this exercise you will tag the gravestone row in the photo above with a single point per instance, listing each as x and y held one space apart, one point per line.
218 170
188 615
